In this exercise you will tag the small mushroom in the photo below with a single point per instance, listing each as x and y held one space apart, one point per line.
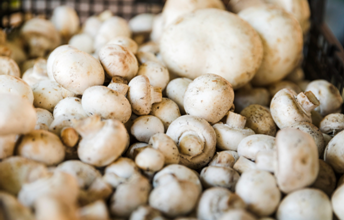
284 84
146 213
107 103
166 110
166 146
219 176
11 209
9 67
334 153
216 201
229 135
118 60
259 191
69 106
326 180
136 148
157 74
259 119
125 42
224 159
328 95
176 89
247 96
337 201
119 85
304 204
142 95
250 146
237 214
288 108
66 21
83 42
144 127
195 138
209 96
112 134
332 124
150 160
141 23
14 85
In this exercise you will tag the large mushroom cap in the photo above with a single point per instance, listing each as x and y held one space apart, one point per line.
212 41
15 85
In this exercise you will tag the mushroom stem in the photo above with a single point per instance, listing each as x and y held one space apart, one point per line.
308 101
87 126
156 94
243 164
235 120
190 144
69 136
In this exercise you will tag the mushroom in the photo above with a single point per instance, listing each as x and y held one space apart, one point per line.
247 96
326 180
209 96
243 165
337 201
107 103
328 95
195 138
219 176
16 171
157 74
119 85
304 204
66 21
94 211
40 36
176 89
17 115
150 46
42 146
334 153
111 28
284 84
91 26
127 42
224 159
259 191
157 28
274 24
11 209
48 93
37 73
166 146
229 135
287 108
264 160
297 163
191 56
76 70
118 60
166 110
144 57
251 145
14 85
142 95
136 148
141 23
112 134
52 57
9 67
7 145
150 160
83 42
216 201
144 127
237 214
146 213
259 119
332 123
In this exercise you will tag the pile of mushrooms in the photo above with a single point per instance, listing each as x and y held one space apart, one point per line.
194 113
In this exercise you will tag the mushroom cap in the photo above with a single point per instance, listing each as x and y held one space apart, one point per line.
259 191
15 85
12 209
7 143
274 24
118 60
144 127
237 214
157 74
326 180
53 55
297 164
166 110
141 23
69 106
17 115
44 119
109 104
150 46
225 158
65 20
216 201
150 159
91 26
144 57
120 171
134 149
304 204
245 97
166 146
328 96
213 176
209 96
334 153
42 146
251 145
337 202
203 130
332 123
259 119
9 67
76 71
187 51
125 42
83 42
176 89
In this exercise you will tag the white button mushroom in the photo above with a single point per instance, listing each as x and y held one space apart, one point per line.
53 55
280 56
141 23
157 74
334 153
125 42
210 97
142 95
220 176
337 202
332 124
14 85
195 138
259 191
91 26
251 145
107 103
150 160
118 60
9 67
11 208
166 110
144 127
326 180
69 106
66 21
305 204
144 57
247 95
166 146
83 42
216 201
193 55
176 89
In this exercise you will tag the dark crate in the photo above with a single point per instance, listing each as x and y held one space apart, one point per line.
323 54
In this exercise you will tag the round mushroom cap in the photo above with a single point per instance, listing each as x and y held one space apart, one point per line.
65 20
332 123
109 104
157 74
76 71
144 127
328 96
237 214
166 146
69 106
334 153
9 67
91 26
225 158
15 85
83 42
337 202
166 110
251 145
190 52
213 176
44 119
176 89
118 60
297 164
125 42
53 55
141 23
259 191
210 97
150 159
17 115
305 204
120 171
216 201
280 58
197 129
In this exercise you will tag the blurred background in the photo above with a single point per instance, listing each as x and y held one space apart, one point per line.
335 18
